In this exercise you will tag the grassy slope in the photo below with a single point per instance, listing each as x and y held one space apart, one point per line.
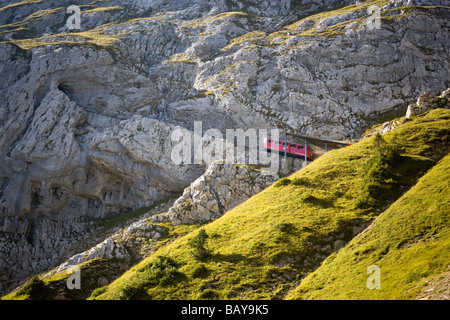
409 242
54 287
264 247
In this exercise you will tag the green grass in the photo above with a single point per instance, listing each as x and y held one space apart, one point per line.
202 22
410 243
264 247
104 9
94 37
260 38
54 287
21 3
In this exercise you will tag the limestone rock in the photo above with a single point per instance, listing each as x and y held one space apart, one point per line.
223 186
428 101
102 281
107 249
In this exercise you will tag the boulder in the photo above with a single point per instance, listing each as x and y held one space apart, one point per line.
428 101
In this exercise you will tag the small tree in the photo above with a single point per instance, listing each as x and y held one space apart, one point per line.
379 178
389 151
198 245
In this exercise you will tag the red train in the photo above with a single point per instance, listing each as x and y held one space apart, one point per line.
293 149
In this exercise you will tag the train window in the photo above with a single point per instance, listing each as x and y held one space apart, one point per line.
268 140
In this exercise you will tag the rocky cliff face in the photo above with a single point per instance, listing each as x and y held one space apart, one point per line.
221 188
86 115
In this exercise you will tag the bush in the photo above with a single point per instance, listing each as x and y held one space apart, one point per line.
35 289
379 177
285 227
132 292
98 291
198 245
309 198
390 152
200 271
282 182
300 182
209 294
161 271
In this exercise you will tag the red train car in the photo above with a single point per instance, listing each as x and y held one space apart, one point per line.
292 149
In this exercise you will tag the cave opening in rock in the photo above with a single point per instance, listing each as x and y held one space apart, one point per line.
30 233
65 87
